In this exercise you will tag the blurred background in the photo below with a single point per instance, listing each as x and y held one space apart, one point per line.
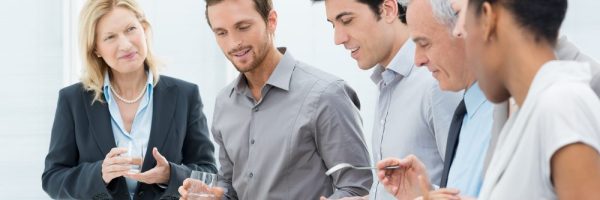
39 51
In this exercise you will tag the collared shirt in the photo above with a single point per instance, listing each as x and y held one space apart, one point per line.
560 109
140 128
413 115
466 172
280 147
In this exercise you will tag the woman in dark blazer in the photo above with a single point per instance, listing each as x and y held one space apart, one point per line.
120 100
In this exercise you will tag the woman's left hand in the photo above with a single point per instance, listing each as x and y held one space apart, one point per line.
159 174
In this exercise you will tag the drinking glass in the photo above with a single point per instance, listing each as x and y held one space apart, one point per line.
135 151
201 184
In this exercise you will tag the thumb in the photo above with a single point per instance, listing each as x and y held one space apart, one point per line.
323 198
424 187
160 160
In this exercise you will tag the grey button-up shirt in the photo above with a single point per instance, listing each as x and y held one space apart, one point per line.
413 115
306 122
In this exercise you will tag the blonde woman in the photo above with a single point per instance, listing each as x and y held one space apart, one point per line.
120 101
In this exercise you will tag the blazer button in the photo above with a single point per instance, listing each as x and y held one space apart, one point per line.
140 193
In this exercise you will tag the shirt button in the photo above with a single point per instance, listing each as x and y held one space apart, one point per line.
255 109
252 141
251 175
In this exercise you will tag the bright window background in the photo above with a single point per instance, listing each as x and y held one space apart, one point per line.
39 53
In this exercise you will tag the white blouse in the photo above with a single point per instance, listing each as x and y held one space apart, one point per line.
560 109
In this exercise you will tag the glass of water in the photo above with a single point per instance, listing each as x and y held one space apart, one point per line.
201 186
135 151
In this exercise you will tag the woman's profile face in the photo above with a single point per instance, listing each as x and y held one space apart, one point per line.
121 41
484 56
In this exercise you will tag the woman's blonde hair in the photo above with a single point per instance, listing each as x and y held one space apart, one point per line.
94 66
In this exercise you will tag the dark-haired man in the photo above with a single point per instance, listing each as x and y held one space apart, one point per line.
281 124
412 114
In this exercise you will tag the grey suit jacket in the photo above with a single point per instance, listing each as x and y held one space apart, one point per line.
564 50
82 136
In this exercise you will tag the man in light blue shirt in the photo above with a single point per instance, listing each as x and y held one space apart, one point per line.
470 131
466 170
412 114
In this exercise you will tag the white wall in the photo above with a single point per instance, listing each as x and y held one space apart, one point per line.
30 76
582 26
33 53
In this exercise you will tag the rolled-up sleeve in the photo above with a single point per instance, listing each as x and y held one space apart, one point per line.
339 139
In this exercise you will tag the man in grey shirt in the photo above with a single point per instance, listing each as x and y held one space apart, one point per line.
412 114
281 124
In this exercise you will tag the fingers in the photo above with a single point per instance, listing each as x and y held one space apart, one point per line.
118 161
186 183
218 192
141 177
183 192
424 187
160 160
110 173
443 197
414 162
195 185
388 162
383 173
447 191
149 177
115 168
115 152
435 195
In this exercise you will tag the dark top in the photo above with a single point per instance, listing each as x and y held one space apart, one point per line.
82 136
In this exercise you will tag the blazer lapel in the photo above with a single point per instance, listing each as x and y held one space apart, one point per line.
164 100
100 126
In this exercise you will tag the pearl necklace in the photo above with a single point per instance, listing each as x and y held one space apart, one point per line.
129 101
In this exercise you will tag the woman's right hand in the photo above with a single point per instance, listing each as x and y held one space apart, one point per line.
114 165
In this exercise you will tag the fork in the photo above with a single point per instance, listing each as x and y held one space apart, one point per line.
346 165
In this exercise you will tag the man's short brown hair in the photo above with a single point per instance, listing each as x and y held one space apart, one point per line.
263 7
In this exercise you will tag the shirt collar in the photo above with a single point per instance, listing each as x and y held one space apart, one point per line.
107 95
402 63
280 78
474 98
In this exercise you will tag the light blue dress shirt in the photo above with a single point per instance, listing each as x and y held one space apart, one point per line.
412 115
466 172
140 128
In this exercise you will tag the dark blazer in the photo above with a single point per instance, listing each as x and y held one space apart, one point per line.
82 136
